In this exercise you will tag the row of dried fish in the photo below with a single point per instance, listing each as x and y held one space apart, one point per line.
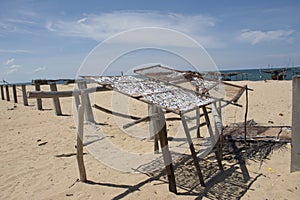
178 100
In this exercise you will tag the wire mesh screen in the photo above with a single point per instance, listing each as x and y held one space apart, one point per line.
159 72
167 96
212 86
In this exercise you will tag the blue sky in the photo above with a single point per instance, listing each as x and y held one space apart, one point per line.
51 38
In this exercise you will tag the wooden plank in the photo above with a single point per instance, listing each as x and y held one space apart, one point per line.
56 101
60 94
85 100
295 151
50 81
192 150
25 101
15 94
79 152
46 94
38 100
163 138
7 93
2 92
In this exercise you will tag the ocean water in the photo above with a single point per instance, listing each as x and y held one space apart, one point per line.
256 75
242 74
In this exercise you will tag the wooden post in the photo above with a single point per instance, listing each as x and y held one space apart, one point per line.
198 118
162 133
240 159
79 153
56 102
246 115
24 94
217 115
15 93
214 141
152 110
77 100
7 93
295 151
85 99
211 134
2 92
38 100
192 149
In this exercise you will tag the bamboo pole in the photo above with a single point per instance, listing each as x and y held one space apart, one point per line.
79 153
7 93
56 102
25 101
2 92
15 94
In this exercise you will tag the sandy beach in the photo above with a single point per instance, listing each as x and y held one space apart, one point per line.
38 155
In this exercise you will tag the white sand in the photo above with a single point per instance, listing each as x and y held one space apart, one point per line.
30 171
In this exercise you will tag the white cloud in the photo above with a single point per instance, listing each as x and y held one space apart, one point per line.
21 21
49 26
103 26
286 55
13 70
255 37
15 66
82 20
14 51
39 69
9 61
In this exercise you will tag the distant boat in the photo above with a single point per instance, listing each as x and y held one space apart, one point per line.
276 74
